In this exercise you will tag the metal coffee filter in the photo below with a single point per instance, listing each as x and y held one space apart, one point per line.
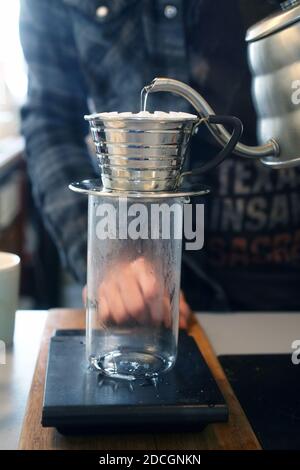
143 151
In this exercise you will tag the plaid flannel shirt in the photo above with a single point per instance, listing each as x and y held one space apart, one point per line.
84 58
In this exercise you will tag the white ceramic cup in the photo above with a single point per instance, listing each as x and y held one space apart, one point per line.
9 294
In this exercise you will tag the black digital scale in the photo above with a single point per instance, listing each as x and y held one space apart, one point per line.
80 401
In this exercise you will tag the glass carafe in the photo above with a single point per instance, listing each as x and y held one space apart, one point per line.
134 265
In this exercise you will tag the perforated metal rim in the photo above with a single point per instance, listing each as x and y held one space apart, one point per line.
94 187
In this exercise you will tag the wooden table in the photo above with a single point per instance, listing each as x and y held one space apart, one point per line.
236 434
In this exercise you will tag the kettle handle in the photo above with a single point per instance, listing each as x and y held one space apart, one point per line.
237 127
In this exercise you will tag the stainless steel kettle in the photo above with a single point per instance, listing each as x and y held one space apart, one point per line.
274 59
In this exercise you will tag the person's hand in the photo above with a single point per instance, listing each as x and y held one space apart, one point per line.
185 312
132 291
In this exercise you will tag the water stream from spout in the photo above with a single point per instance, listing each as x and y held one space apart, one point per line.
144 97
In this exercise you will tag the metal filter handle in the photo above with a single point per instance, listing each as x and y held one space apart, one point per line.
230 121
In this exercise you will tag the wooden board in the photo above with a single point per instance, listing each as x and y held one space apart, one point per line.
236 434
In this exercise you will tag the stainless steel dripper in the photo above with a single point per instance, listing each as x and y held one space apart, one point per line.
146 151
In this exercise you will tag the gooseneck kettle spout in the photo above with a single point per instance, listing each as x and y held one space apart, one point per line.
269 149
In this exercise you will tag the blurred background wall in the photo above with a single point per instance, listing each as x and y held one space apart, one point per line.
43 285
